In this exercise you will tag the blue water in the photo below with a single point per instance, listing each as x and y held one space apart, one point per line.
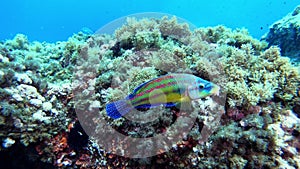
53 20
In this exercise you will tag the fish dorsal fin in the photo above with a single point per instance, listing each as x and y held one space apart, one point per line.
131 95
139 87
142 85
148 82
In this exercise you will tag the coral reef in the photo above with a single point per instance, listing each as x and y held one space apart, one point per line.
253 79
35 91
285 34
35 88
259 127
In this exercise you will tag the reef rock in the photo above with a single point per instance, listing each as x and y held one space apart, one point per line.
285 33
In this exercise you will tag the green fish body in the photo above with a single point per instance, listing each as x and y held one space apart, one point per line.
168 90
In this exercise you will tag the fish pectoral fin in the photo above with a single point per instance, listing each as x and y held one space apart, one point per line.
185 106
185 100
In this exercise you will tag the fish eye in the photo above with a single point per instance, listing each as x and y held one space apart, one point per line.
201 86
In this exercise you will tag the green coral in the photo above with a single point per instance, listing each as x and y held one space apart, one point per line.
253 79
225 36
31 109
145 33
20 42
237 162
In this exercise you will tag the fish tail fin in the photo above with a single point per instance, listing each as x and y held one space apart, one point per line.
118 108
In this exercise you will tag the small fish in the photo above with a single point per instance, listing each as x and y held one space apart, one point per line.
168 90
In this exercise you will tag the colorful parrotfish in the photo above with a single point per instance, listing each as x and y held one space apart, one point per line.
168 90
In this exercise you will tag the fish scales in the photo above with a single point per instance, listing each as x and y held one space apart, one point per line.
170 91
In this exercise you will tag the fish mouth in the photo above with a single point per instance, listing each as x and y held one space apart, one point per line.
215 90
